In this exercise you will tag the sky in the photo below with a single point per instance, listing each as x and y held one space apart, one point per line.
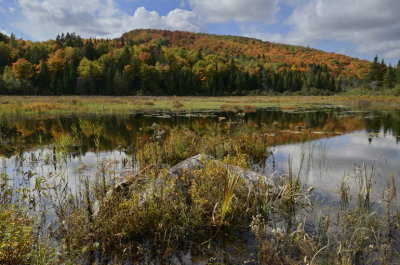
358 28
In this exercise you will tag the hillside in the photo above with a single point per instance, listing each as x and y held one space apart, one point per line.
160 62
253 50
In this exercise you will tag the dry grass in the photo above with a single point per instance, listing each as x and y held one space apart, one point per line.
66 105
158 216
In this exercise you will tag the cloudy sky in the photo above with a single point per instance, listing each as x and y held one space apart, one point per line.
359 28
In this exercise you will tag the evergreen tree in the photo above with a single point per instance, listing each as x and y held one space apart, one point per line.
398 73
90 52
389 78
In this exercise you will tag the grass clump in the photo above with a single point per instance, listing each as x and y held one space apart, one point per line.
158 214
171 147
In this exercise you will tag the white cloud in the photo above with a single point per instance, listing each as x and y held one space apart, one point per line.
372 25
254 31
44 19
4 32
177 19
237 10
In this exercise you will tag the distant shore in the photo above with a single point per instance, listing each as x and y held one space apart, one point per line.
57 106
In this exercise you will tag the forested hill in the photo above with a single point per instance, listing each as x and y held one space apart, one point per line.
160 62
254 51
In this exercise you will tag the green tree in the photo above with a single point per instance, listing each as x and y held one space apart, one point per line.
389 78
5 56
42 80
398 73
90 51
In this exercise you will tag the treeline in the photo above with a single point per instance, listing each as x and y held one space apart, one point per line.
70 65
383 76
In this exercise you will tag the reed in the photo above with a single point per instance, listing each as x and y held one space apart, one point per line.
155 217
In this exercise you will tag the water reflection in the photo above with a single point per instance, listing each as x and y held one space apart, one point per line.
364 137
325 162
322 145
107 133
30 144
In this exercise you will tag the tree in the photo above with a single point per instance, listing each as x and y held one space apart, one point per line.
398 72
5 56
89 68
13 41
42 77
124 59
56 62
36 53
120 84
90 72
4 37
90 51
22 69
389 78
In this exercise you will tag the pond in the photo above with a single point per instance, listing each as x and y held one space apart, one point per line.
322 146
335 140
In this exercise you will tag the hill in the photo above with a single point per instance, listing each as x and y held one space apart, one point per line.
254 50
161 62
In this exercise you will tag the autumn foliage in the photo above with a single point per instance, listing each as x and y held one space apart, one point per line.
161 62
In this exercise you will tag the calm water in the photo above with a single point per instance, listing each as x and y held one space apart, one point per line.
322 146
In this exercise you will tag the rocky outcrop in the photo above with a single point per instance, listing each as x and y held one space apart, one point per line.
184 168
195 163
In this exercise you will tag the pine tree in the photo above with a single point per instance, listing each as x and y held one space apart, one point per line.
374 70
90 51
398 72
389 78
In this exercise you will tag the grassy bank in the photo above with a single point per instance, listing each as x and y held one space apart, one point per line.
21 106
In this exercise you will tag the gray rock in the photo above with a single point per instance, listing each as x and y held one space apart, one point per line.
199 161
184 168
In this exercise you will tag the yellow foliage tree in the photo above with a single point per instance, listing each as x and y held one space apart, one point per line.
22 69
56 61
89 68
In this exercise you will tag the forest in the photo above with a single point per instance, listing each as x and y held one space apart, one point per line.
160 62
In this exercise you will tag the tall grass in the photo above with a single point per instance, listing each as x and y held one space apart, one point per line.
153 216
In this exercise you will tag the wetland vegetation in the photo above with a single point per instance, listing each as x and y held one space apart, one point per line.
90 189
52 107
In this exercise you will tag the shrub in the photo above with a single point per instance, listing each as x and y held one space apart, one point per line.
16 237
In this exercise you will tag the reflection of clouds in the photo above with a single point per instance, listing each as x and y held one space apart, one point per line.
41 162
328 160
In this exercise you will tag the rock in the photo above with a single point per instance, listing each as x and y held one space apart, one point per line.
186 167
199 161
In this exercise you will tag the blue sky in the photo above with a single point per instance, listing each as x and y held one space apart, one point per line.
359 28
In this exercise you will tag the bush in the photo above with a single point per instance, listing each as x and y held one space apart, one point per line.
16 237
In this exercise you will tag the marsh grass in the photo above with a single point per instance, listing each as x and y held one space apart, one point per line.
156 216
16 106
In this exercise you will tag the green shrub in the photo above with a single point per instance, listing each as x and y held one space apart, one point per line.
16 237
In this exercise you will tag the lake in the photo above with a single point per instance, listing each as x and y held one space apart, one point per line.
322 146
335 140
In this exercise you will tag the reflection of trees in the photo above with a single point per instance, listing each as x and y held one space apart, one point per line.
388 122
113 132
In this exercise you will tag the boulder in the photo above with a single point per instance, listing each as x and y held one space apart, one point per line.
186 167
